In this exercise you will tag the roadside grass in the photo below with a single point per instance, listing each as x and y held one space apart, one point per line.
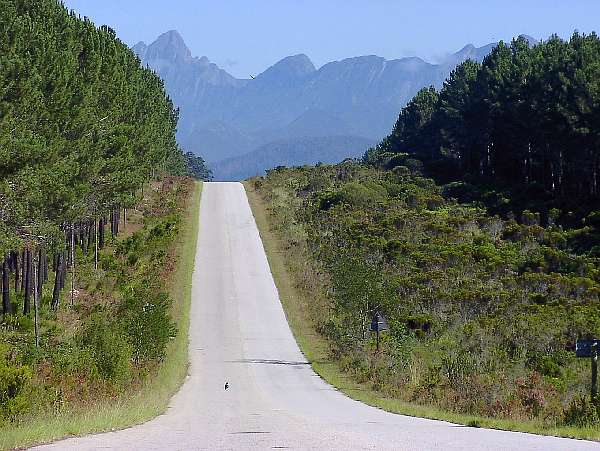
316 348
153 397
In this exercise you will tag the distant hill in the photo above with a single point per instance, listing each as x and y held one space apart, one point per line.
290 152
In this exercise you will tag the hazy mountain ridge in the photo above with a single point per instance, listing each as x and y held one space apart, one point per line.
222 116
291 152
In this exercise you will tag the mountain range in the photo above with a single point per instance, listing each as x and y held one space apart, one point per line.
223 117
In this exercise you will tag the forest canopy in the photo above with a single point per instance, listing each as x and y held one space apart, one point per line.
82 124
528 116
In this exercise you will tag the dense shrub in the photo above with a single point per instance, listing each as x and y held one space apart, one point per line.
482 310
147 323
13 387
110 351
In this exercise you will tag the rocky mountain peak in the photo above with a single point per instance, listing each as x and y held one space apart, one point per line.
169 46
140 49
288 69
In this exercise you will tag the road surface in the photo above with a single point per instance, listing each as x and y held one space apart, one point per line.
239 335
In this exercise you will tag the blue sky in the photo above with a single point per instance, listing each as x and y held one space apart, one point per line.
246 36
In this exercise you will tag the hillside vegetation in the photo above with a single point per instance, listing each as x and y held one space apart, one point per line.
486 275
483 312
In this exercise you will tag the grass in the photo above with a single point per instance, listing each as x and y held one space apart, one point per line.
154 396
316 348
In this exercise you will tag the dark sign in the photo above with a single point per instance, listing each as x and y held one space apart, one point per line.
586 348
378 323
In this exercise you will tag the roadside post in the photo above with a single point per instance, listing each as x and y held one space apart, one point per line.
589 348
378 324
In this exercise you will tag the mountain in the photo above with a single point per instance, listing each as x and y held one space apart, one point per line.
222 117
291 152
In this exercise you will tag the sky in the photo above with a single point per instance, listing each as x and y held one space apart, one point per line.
247 36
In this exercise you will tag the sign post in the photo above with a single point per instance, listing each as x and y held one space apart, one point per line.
378 324
589 348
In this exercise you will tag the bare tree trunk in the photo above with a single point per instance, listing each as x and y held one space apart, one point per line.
91 228
96 243
101 233
57 282
16 257
72 266
112 223
83 237
36 318
23 270
40 273
28 283
63 270
45 266
6 307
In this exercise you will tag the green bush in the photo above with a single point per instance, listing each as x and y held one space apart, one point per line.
13 384
147 323
109 348
583 413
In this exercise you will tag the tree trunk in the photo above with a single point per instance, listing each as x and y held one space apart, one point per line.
28 283
57 282
96 244
17 272
23 270
45 266
36 293
112 223
72 266
101 233
91 228
6 307
12 261
40 272
82 236
65 265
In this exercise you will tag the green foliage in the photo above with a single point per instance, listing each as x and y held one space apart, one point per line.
196 167
13 385
110 351
481 310
82 124
583 413
146 321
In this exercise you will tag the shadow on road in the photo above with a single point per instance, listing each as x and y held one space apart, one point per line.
269 362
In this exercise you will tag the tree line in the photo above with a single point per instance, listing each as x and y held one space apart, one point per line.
526 116
83 126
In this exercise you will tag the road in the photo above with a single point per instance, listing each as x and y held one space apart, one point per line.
239 335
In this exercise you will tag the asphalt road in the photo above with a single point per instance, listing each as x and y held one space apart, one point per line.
239 335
